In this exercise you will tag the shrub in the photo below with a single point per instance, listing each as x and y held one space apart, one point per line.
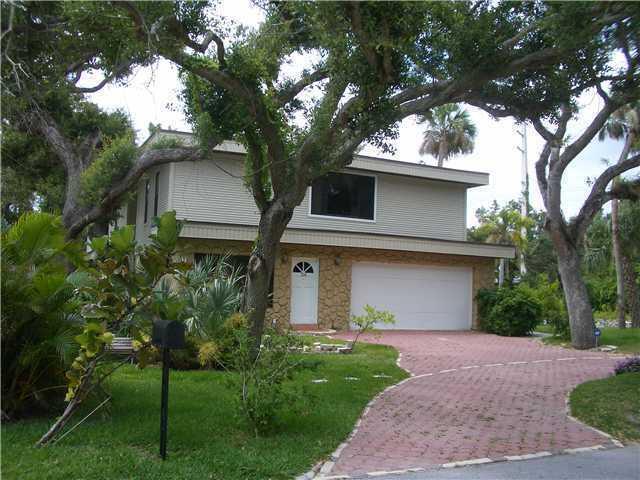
213 292
261 377
628 365
186 358
39 314
509 312
216 351
227 340
486 298
370 319
554 310
602 292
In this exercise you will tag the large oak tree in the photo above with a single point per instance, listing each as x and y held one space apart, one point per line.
375 64
61 152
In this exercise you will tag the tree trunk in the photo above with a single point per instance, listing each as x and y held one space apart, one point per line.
442 152
575 291
617 261
632 294
261 264
72 406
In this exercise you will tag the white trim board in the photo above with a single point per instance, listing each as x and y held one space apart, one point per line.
347 239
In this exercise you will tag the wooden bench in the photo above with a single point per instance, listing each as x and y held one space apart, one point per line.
121 346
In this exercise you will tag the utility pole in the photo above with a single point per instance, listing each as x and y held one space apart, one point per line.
524 204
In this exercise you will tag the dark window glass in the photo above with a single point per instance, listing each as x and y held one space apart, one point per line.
147 187
343 195
236 261
303 267
155 195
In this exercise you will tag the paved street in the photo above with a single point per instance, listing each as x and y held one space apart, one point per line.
616 464
473 396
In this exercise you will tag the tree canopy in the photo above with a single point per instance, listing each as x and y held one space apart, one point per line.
370 67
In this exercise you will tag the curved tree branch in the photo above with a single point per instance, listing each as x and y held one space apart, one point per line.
204 45
117 71
148 159
288 93
598 195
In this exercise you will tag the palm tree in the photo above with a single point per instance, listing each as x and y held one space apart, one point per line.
502 225
450 132
623 124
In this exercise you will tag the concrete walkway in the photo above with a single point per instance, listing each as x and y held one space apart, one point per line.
472 397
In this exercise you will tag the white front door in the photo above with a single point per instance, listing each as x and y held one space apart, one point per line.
304 291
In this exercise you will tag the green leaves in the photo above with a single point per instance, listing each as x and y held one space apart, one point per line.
168 230
111 164
34 238
117 296
123 240
371 318
99 244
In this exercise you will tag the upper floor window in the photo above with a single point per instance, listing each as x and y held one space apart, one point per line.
156 188
344 195
147 189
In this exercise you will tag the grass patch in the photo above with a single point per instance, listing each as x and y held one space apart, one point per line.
206 438
544 328
626 339
611 405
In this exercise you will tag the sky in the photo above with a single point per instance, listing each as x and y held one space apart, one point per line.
151 96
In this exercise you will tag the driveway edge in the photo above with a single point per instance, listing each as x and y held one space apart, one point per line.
567 405
322 469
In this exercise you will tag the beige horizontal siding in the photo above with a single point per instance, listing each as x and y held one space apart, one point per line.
213 191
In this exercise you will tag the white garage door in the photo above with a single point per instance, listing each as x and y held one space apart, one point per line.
421 298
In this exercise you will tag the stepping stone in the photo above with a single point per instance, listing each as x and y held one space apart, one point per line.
320 380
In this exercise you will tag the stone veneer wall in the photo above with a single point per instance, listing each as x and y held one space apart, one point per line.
334 301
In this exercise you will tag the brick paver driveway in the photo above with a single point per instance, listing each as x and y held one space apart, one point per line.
472 396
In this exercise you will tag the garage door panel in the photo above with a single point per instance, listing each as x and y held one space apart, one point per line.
424 298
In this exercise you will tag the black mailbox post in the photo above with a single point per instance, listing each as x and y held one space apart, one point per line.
166 335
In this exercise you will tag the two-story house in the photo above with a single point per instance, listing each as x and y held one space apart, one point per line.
381 232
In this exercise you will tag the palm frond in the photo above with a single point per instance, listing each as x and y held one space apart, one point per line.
450 132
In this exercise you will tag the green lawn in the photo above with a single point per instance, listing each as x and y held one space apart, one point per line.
206 439
611 404
626 339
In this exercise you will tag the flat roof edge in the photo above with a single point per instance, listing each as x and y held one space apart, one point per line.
215 231
369 163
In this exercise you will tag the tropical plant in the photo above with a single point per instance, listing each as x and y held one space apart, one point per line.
624 123
502 225
450 132
39 313
212 291
599 270
629 219
118 295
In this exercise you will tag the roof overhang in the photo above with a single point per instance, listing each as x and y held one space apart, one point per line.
360 162
216 231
